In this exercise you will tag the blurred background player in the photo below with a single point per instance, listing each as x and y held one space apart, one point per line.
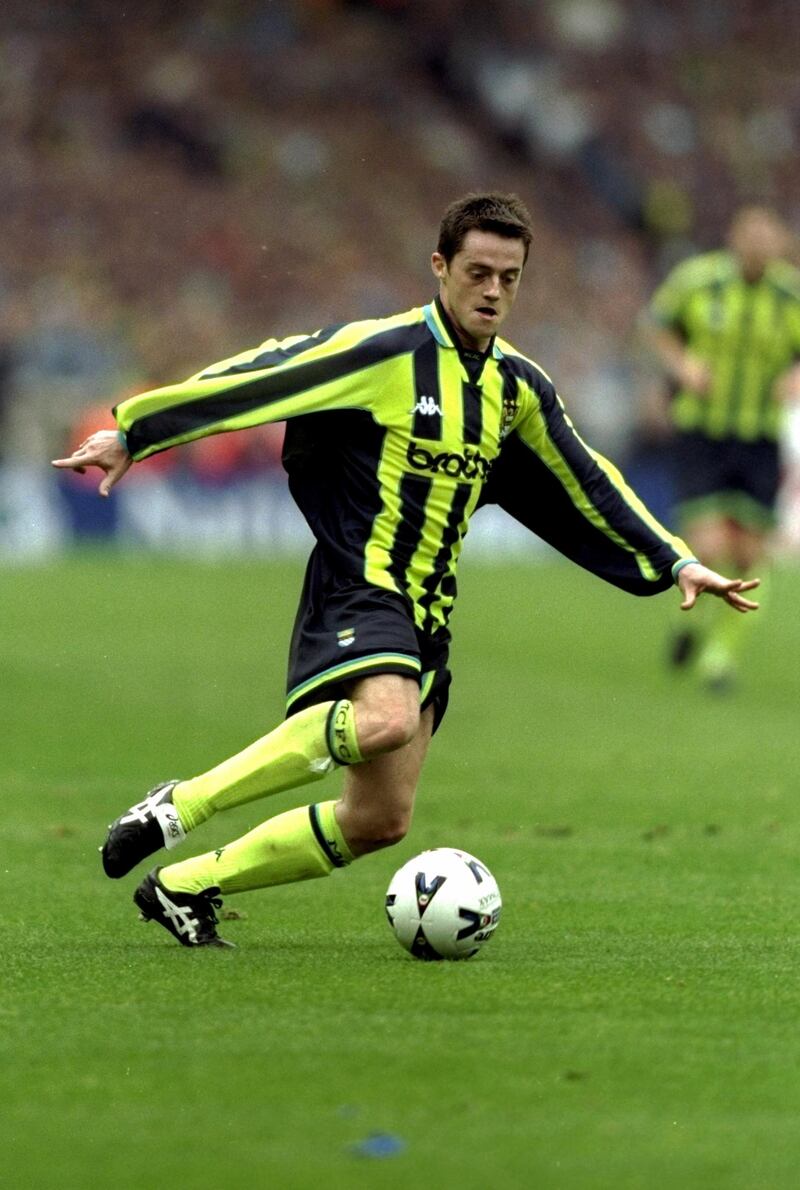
725 326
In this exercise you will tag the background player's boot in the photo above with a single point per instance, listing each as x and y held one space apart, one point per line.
682 647
189 917
147 827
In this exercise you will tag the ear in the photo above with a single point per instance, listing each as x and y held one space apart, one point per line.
439 265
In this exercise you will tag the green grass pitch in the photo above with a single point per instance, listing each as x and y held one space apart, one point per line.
633 1023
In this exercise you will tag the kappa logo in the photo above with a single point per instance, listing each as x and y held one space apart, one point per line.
428 407
345 637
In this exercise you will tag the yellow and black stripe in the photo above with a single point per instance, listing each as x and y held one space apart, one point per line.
393 433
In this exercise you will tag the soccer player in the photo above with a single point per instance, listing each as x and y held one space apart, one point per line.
725 326
397 429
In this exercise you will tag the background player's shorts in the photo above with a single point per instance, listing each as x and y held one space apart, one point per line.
346 630
740 480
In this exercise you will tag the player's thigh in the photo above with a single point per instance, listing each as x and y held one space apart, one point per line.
749 546
710 536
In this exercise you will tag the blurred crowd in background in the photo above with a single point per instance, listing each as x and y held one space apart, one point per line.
185 178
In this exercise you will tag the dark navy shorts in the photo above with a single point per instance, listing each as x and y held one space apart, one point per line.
727 476
346 630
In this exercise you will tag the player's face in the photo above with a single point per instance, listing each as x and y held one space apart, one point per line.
479 284
758 237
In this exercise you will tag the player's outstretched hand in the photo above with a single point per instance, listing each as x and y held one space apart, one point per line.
104 449
696 579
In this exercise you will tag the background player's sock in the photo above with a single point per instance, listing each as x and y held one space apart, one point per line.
299 845
728 635
305 747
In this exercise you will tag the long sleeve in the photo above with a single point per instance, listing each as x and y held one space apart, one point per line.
328 370
551 481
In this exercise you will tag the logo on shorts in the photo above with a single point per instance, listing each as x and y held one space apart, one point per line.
345 637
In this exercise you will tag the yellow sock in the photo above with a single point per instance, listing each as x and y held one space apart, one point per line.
305 747
299 845
728 635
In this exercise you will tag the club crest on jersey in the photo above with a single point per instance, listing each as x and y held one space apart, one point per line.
510 410
345 637
428 407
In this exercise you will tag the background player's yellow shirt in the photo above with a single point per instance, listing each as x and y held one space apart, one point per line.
748 334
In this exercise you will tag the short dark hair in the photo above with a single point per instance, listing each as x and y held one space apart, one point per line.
504 214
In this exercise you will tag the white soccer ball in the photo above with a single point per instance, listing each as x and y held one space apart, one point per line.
443 904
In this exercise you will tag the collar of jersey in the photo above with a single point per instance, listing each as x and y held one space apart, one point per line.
441 328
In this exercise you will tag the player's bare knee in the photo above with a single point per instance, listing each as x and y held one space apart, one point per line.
387 713
384 832
386 729
398 728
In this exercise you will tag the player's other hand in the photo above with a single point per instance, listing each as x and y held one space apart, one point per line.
105 450
696 579
787 386
694 374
